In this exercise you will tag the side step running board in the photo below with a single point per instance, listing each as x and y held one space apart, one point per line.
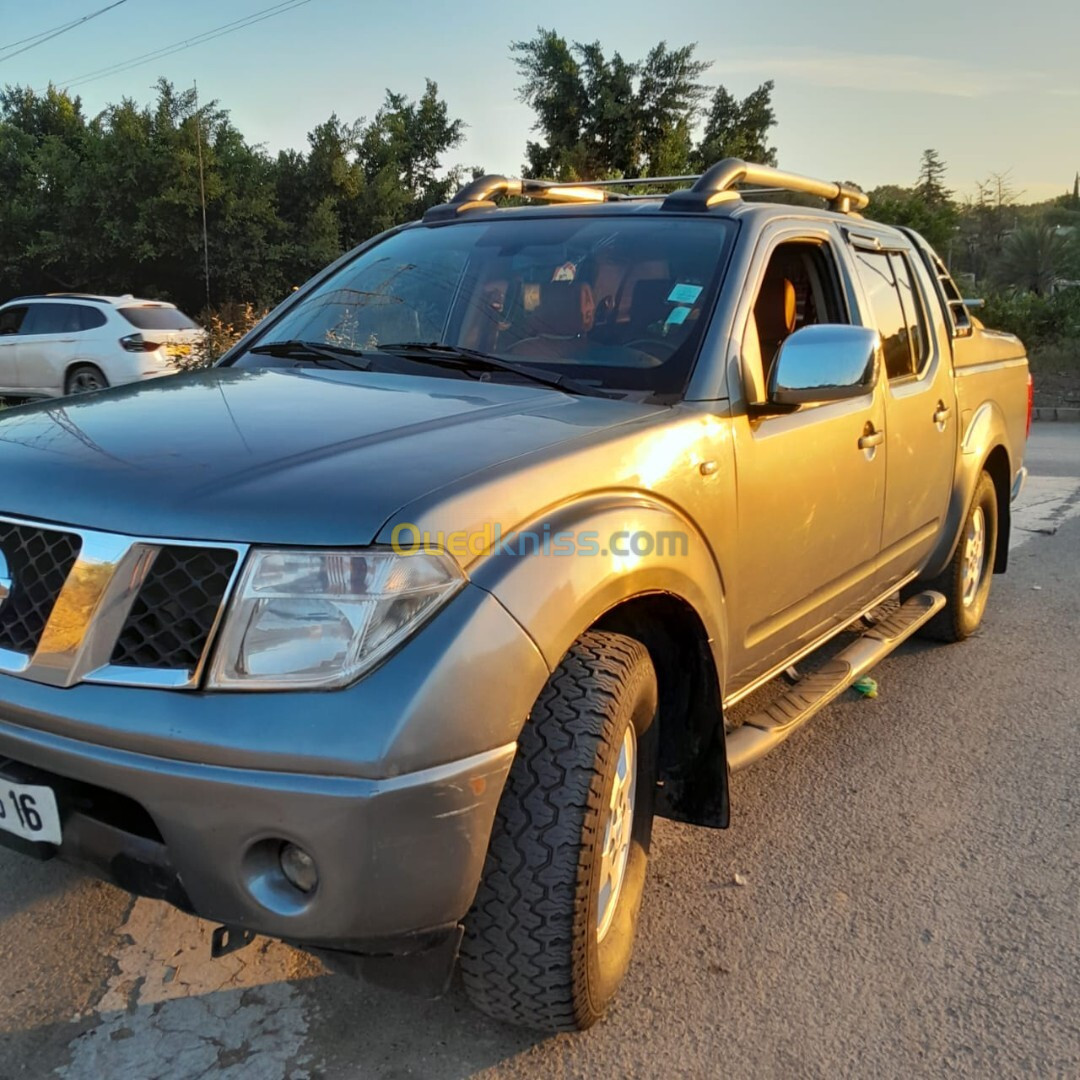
770 727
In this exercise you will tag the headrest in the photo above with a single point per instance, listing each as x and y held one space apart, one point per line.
566 309
775 308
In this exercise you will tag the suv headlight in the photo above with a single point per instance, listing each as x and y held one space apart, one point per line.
318 619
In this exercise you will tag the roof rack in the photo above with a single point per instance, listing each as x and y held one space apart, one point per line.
714 186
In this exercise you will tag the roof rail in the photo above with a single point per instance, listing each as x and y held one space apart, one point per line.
717 184
94 297
714 186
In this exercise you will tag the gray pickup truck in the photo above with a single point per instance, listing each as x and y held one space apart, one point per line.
389 635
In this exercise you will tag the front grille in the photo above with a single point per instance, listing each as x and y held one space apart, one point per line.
170 623
38 561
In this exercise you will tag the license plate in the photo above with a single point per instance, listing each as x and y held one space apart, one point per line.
29 811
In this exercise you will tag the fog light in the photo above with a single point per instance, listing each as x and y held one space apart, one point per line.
299 867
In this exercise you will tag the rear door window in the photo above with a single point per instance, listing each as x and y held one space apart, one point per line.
914 318
149 317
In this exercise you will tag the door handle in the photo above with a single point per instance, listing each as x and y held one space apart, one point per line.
871 438
942 413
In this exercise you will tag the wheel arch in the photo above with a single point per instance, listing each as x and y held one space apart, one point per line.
984 448
673 603
693 760
79 362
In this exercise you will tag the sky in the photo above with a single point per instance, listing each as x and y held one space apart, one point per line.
862 87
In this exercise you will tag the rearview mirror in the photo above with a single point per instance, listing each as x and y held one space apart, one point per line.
824 363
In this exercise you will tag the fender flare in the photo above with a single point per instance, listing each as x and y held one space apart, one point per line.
557 596
985 433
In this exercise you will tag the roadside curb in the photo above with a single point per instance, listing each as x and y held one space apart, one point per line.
1061 413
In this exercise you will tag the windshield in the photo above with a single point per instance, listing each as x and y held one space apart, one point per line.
616 301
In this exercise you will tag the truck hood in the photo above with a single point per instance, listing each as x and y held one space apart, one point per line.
289 456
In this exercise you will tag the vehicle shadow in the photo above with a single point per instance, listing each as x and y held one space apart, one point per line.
165 1009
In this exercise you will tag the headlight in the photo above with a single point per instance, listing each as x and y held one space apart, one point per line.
319 619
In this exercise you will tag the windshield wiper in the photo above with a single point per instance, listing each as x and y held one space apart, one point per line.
459 356
314 351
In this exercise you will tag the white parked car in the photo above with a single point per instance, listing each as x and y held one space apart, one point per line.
71 343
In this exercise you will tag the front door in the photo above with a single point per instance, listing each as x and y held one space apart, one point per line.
11 320
811 484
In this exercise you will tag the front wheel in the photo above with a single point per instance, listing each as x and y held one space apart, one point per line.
966 580
549 936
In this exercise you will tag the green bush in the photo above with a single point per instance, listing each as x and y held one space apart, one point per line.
1061 358
1038 321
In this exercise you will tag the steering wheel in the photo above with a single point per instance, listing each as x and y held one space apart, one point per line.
662 350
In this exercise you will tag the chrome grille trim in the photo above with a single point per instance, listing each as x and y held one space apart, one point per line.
92 609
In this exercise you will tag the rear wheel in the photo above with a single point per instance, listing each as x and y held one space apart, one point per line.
84 379
550 935
966 580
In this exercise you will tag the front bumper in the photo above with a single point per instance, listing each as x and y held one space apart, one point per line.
395 857
391 785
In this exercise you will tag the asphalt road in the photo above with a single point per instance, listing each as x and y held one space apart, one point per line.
910 908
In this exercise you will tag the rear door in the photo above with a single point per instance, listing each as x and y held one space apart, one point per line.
920 404
11 321
47 345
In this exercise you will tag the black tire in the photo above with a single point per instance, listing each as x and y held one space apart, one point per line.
534 953
964 605
84 379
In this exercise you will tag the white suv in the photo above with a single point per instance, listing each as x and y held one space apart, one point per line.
73 343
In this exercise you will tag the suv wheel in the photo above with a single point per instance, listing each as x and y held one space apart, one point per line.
84 379
550 934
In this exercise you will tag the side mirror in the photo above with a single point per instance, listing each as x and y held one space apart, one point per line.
825 363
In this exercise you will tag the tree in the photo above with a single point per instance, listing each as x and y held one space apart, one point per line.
738 129
668 100
928 207
1033 258
930 186
400 153
114 203
553 87
611 135
601 117
895 205
986 221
